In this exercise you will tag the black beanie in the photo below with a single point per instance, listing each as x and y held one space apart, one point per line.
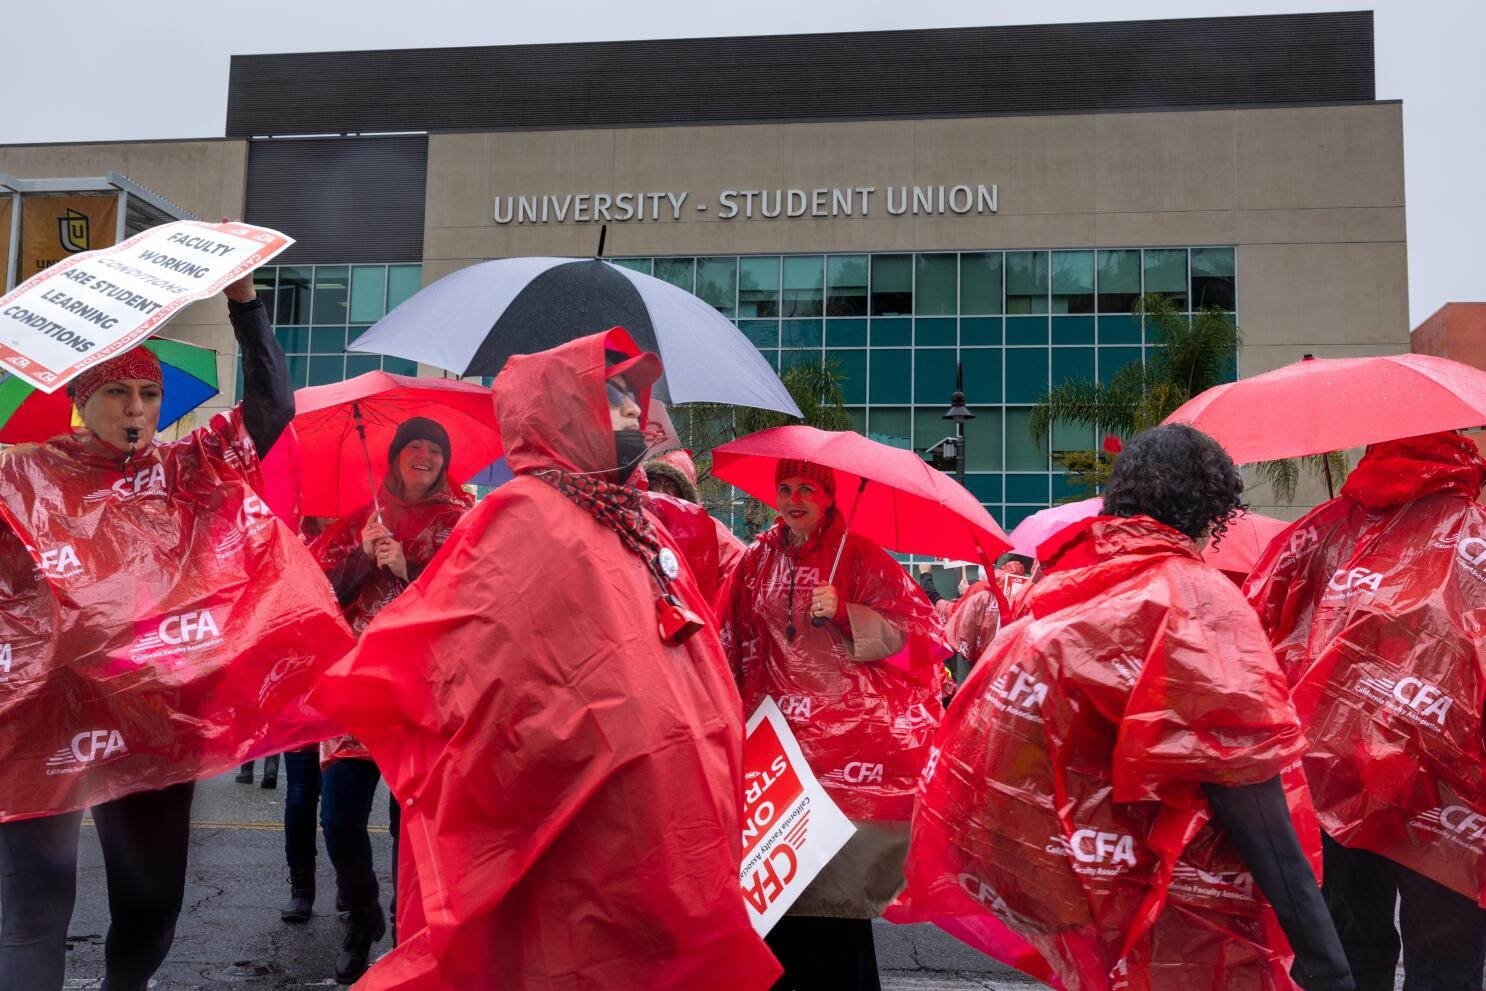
418 428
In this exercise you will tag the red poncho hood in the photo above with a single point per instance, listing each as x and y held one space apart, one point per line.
570 784
1373 602
1062 811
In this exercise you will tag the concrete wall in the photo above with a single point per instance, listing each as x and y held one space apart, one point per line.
206 178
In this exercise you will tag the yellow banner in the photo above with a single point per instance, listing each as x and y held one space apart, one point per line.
7 207
55 227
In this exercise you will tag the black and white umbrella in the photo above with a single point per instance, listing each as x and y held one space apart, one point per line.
470 322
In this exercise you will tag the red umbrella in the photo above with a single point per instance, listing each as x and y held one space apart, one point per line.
1330 404
338 467
889 495
1246 538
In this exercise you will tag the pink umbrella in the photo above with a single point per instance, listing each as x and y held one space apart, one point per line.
1246 538
1033 530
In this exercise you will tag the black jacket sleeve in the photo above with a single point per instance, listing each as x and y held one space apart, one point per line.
1257 821
926 582
348 577
268 397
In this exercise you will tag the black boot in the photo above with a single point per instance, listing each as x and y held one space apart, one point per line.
270 772
300 905
245 774
366 926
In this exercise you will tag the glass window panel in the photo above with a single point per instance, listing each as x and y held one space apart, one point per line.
892 333
633 264
717 283
794 359
846 286
930 428
1026 374
294 340
846 333
980 330
360 364
983 450
851 370
1153 332
1212 278
354 332
299 370
264 281
890 426
1073 365
1119 330
1073 330
935 332
933 376
1026 330
1027 488
324 369
399 366
763 333
890 377
1072 437
772 357
1119 280
892 285
1012 515
986 488
1212 261
758 287
327 340
804 286
292 303
1111 360
1064 489
1073 281
402 282
858 420
368 293
982 374
802 333
679 272
980 282
936 290
1166 273
1026 282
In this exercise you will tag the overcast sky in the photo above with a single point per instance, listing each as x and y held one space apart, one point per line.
94 71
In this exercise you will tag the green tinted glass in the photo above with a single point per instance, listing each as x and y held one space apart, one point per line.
980 282
937 289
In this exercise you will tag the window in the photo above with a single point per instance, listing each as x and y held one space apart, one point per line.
1166 273
804 286
980 282
1119 281
679 272
758 287
1212 278
717 283
890 426
1026 282
368 293
1073 281
892 285
846 286
937 288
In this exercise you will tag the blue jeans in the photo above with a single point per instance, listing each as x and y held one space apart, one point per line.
346 791
301 801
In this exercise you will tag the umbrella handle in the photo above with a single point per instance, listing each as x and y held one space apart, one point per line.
821 620
371 480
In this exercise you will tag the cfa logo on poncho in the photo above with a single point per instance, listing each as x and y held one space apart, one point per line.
981 892
60 562
1094 847
1194 880
1472 554
184 631
1023 697
1349 582
1413 698
795 706
1455 823
87 747
862 773
253 517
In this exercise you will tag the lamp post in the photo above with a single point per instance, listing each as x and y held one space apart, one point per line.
958 414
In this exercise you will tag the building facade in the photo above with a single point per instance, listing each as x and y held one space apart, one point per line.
897 203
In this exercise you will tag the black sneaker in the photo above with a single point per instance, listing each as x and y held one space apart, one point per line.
366 926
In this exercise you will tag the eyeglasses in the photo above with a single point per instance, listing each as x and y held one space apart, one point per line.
618 397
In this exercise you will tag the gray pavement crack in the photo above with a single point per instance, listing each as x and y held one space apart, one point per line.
216 891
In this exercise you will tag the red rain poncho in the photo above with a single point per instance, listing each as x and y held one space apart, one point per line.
710 548
1064 794
570 784
864 723
974 620
421 527
172 630
1376 606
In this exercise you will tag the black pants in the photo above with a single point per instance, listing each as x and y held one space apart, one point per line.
825 954
301 801
346 791
1444 933
144 838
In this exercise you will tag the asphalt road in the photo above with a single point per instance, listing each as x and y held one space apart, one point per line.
230 934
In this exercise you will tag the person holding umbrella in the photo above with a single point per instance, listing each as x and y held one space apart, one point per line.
1374 603
1115 782
810 616
370 556
552 708
161 626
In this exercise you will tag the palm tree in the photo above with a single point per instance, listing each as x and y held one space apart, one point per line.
815 388
1189 357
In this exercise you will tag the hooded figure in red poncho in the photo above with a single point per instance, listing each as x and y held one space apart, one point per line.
1376 606
1111 784
864 724
159 625
570 781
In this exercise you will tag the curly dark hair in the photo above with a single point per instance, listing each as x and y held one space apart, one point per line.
1178 476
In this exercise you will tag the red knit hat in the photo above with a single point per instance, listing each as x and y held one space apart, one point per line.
808 470
138 363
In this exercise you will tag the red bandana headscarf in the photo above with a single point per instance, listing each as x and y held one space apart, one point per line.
138 363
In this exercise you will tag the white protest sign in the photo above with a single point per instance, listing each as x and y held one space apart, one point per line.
97 304
791 828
